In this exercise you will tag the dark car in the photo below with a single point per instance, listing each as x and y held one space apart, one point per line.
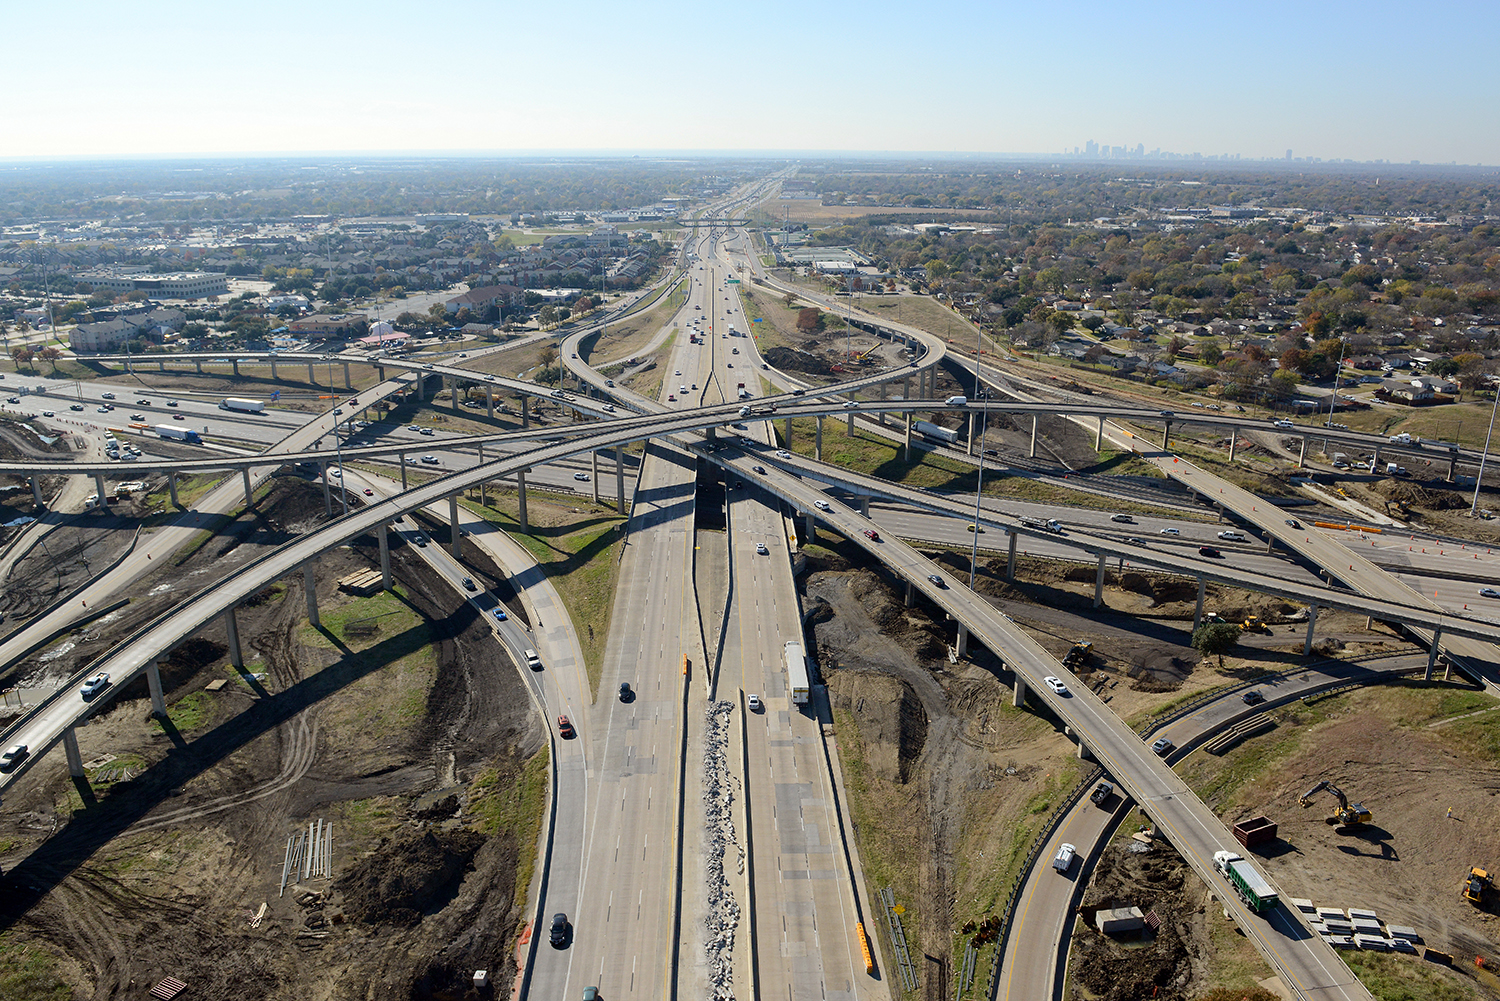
626 694
936 580
1210 552
1292 523
1252 697
559 934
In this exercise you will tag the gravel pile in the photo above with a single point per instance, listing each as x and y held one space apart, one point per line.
718 797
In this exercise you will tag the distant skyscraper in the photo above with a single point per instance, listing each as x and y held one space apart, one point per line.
1091 148
1288 154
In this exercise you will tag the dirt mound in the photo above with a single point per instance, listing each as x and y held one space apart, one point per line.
1156 671
788 359
1414 495
1160 965
409 875
1140 584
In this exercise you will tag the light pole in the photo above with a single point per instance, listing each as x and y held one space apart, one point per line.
1337 371
978 490
1479 479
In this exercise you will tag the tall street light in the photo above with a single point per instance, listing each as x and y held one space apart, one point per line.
1479 478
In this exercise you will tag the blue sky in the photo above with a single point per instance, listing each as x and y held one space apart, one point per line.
1325 78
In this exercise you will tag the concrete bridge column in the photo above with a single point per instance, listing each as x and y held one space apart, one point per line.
1375 459
1198 611
620 479
489 402
200 366
1432 653
881 418
1166 435
383 534
1010 560
99 487
594 479
402 457
273 368
1099 437
963 640
911 594
1083 750
969 447
525 412
483 501
810 528
249 494
521 494
1452 466
153 683
327 493
1302 453
232 631
36 491
906 387
380 371
1234 441
310 589
1312 622
1099 582
788 445
1032 453
1019 699
235 362
454 533
818 441
850 415
906 416
309 374
864 505
70 746
348 383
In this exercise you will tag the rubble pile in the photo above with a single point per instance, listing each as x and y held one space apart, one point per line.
718 797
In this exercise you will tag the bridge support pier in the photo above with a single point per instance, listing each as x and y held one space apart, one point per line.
881 418
99 488
383 534
1010 559
232 631
70 746
521 495
310 589
1198 610
1234 441
245 479
200 367
36 491
620 479
309 373
818 441
1432 653
273 368
348 383
525 412
1452 466
1375 459
906 387
906 416
454 534
911 594
327 493
1312 622
402 457
153 684
1302 453
969 445
864 505
1019 698
1166 435
380 371
1099 582
1083 750
1099 437
489 402
235 362
594 479
963 640
809 526
483 500
1032 453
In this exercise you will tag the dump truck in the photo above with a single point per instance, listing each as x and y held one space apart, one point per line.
1248 883
1475 884
1347 815
1045 524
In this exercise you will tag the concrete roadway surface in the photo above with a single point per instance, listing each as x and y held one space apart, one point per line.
1301 959
1035 962
801 889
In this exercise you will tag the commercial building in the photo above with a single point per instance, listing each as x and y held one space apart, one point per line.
322 326
179 285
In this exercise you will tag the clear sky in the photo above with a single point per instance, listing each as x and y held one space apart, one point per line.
1327 78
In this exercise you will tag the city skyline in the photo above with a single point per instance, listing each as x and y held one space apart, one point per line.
1332 82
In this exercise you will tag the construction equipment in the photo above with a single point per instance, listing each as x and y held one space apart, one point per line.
1254 624
1347 815
1475 884
1079 655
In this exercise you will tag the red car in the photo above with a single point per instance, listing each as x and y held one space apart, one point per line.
565 727
369 492
872 535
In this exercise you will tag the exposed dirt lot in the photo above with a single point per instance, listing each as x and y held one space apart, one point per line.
400 721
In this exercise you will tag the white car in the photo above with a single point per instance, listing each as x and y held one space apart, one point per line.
1231 536
336 473
431 460
1169 531
782 453
753 701
1488 592
581 477
1055 684
94 686
822 505
761 550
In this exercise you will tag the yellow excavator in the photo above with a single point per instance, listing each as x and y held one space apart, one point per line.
1347 815
1475 884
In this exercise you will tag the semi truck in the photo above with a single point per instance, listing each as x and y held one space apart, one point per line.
177 434
1247 882
796 673
242 405
927 429
1045 524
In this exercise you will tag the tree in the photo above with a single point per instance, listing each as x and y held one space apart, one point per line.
788 299
1209 352
50 354
810 319
1215 639
22 356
